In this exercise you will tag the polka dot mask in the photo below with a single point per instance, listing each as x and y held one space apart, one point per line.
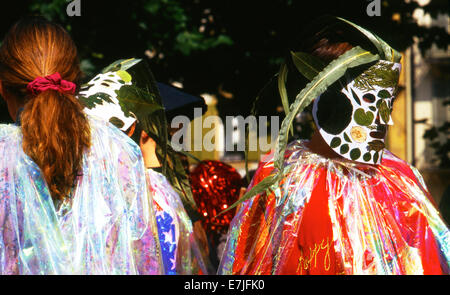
354 121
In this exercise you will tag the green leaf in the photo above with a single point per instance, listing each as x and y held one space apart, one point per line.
86 86
152 6
344 149
384 94
355 97
375 157
112 67
262 186
137 101
380 74
188 41
180 150
376 145
121 64
254 112
125 64
363 118
124 76
367 157
91 101
384 50
308 65
116 122
282 88
384 112
347 138
335 142
355 154
104 96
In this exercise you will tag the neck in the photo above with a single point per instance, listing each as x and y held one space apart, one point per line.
13 104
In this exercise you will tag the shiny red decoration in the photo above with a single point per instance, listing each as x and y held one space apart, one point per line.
215 186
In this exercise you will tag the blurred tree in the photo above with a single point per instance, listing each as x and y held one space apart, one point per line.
439 141
228 48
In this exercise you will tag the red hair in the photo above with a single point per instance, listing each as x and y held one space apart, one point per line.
55 129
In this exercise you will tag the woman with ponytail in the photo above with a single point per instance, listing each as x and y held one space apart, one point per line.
72 199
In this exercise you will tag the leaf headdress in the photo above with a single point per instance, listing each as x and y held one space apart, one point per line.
321 76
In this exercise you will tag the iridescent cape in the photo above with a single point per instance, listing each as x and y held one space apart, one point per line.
107 226
337 217
180 251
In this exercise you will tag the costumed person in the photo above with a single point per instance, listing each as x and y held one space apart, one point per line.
339 203
126 94
215 186
72 196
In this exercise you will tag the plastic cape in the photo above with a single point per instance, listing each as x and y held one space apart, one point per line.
338 217
107 226
180 251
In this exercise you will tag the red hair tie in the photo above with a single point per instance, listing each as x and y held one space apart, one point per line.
53 82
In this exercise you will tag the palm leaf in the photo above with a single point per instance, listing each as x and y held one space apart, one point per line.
308 65
282 76
262 186
384 50
121 64
254 112
180 150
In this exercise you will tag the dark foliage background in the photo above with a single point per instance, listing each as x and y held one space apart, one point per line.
229 48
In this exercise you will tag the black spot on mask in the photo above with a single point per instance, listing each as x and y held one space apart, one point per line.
334 112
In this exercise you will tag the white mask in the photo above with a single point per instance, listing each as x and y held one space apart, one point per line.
354 121
100 94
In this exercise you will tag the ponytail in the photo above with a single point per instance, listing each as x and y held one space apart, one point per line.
55 135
